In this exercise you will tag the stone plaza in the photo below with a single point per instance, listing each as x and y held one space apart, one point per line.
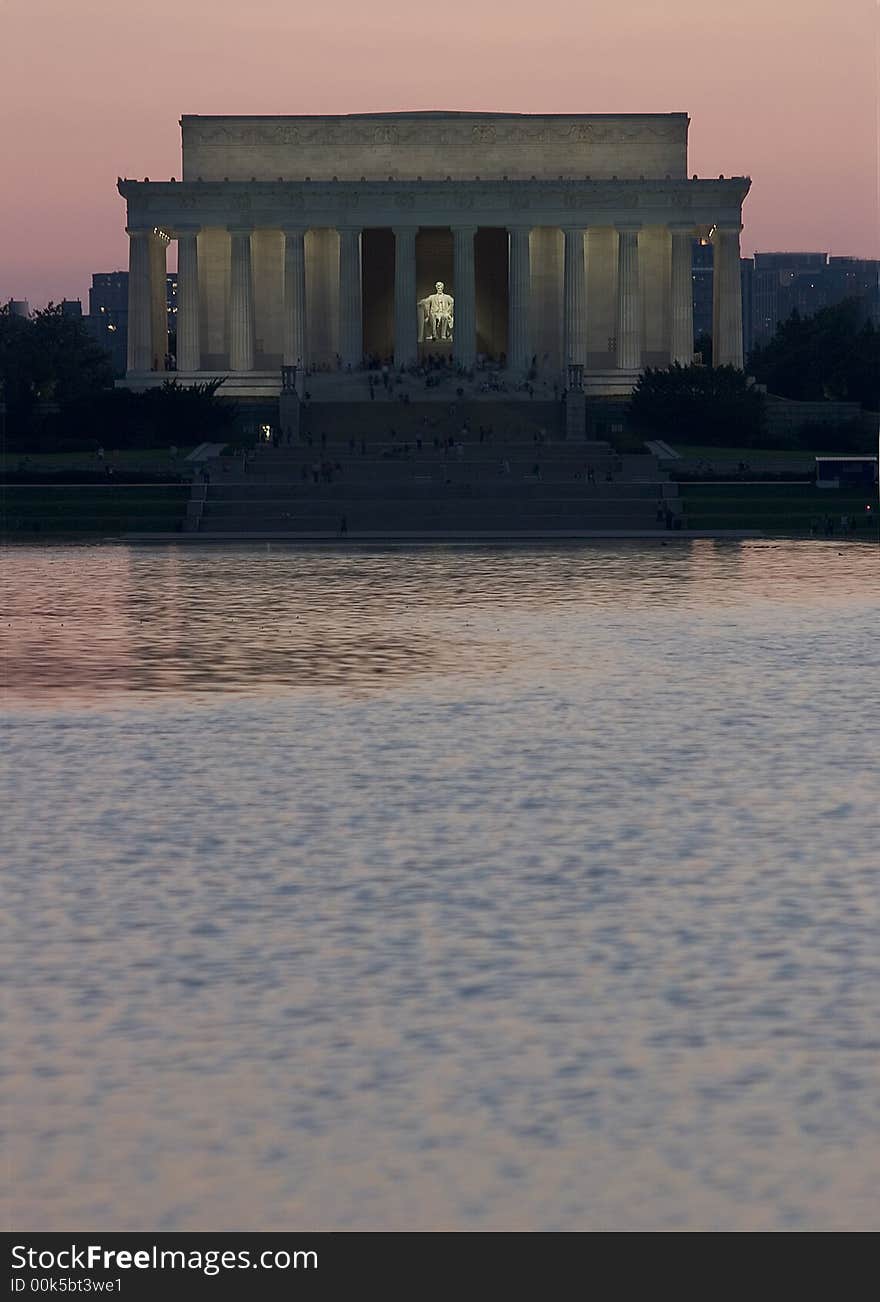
538 242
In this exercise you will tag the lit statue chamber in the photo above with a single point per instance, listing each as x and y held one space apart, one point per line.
436 315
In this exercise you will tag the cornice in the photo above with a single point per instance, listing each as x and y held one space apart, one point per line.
384 203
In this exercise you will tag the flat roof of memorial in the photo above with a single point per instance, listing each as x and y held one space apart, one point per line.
430 113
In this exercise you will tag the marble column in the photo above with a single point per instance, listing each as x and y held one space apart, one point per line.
351 329
681 315
574 289
189 348
519 344
406 348
241 301
294 339
140 345
629 299
464 329
727 335
159 242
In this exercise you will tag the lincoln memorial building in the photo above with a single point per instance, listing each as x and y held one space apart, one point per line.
535 241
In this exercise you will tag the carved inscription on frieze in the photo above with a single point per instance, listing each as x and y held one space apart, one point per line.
428 132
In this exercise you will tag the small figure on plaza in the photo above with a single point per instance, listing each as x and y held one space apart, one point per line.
436 315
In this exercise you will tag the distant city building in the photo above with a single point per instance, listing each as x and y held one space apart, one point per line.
776 284
782 283
703 281
108 313
747 283
856 278
21 307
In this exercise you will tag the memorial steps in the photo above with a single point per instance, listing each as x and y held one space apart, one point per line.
437 417
455 515
388 491
425 487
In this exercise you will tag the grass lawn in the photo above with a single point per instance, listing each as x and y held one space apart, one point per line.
91 510
125 459
776 509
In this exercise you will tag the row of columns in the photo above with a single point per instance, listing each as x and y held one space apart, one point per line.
146 320
727 338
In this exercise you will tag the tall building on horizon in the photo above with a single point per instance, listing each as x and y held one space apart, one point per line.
108 313
703 286
776 284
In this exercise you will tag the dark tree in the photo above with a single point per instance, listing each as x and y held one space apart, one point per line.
57 384
47 358
15 386
118 418
834 354
698 404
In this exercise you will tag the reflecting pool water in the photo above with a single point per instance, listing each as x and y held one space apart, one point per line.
442 888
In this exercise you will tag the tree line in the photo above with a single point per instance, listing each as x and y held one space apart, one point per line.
56 384
833 355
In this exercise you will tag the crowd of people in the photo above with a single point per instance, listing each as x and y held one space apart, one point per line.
443 434
826 526
489 374
667 517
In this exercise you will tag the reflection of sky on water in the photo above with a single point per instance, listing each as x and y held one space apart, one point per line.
89 623
180 621
566 919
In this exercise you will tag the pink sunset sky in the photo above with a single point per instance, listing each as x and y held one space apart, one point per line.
782 90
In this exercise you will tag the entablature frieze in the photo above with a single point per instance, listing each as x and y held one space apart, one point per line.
178 204
419 129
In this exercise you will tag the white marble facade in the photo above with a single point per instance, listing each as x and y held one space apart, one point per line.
593 214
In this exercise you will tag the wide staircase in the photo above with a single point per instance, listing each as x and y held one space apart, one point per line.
440 417
379 469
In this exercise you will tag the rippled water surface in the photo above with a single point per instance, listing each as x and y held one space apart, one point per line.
485 889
